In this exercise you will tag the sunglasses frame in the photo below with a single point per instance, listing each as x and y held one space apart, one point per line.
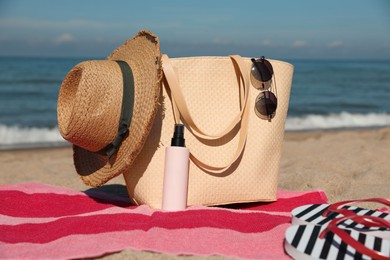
266 94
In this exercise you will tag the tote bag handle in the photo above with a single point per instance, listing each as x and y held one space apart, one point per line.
180 108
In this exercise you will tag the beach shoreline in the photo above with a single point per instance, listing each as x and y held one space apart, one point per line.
346 164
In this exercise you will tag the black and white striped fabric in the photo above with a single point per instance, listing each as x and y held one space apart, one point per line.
312 214
303 242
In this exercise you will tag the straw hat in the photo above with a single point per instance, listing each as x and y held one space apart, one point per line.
97 98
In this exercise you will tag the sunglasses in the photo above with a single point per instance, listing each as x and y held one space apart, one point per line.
261 78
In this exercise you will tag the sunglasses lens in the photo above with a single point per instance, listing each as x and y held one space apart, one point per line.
261 74
265 105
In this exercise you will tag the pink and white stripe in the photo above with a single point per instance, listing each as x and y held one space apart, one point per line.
43 221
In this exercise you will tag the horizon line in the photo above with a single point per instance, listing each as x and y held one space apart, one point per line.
173 56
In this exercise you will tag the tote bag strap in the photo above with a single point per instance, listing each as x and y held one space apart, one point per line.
180 108
180 104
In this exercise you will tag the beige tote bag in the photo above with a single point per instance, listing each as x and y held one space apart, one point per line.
235 155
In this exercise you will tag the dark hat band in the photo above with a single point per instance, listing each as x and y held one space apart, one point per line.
126 111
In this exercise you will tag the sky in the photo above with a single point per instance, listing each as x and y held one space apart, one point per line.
282 29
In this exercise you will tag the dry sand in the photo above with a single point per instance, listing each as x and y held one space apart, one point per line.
348 164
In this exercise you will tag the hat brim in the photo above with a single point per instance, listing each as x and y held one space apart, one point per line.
142 53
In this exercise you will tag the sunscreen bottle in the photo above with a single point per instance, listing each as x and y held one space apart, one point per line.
176 172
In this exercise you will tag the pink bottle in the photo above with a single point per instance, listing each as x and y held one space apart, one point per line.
176 172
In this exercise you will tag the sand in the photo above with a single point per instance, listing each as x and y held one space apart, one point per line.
349 164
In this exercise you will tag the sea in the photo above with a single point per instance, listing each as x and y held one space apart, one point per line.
325 95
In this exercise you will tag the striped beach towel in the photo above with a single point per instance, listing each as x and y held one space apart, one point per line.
44 221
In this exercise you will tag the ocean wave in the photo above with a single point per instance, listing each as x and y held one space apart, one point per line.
19 137
336 121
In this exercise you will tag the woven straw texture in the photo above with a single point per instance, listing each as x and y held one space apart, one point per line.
80 90
211 92
89 107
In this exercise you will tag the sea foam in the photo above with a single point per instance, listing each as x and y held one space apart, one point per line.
337 121
21 137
